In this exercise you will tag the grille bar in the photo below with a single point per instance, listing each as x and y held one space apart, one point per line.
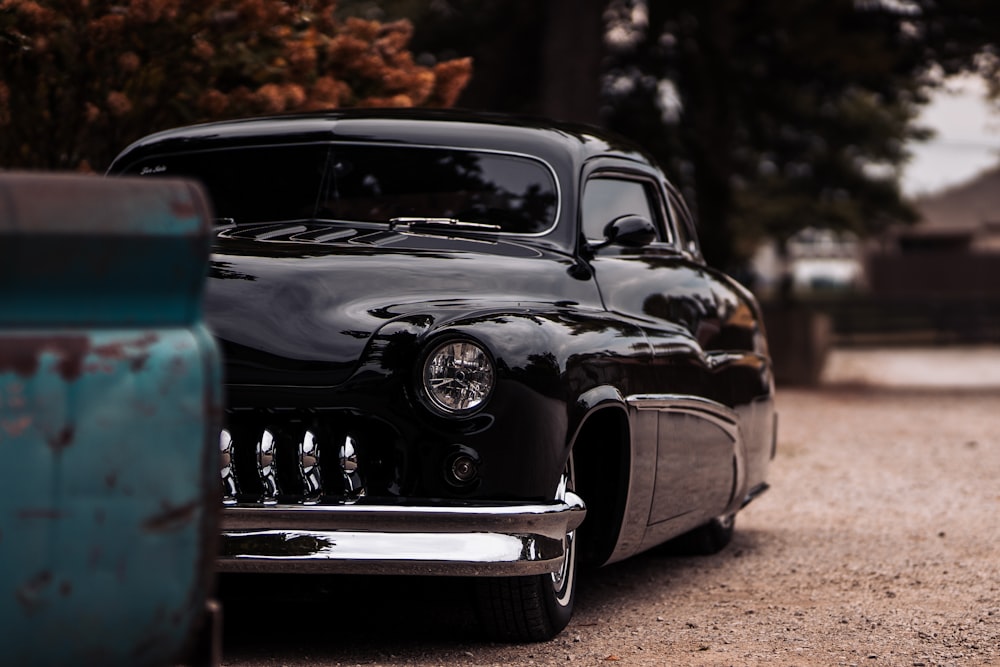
267 468
309 467
354 484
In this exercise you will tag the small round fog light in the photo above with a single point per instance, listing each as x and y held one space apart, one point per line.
461 467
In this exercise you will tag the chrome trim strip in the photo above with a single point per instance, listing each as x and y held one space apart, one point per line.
721 415
351 552
500 539
754 493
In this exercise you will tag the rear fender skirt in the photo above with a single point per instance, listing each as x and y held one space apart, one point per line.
644 411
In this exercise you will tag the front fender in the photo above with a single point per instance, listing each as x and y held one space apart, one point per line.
549 364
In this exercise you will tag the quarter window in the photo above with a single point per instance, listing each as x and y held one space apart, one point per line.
684 223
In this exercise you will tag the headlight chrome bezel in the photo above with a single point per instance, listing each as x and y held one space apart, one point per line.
457 377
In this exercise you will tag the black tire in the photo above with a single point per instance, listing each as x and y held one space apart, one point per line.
535 608
705 540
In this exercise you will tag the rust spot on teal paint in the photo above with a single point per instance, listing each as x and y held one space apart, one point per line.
171 518
22 354
137 363
30 595
15 427
128 350
15 395
62 439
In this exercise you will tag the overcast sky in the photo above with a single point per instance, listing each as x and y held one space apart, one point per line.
967 140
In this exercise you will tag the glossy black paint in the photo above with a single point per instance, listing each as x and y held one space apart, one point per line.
326 322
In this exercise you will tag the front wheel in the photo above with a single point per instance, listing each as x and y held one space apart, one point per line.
535 608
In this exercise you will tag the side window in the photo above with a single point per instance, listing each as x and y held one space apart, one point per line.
687 235
606 198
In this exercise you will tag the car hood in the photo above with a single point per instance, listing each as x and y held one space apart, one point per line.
293 311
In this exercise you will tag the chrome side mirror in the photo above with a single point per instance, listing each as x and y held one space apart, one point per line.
630 231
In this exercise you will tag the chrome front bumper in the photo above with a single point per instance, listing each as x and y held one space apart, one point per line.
493 539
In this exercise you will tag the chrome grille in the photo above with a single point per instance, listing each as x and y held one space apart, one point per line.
272 457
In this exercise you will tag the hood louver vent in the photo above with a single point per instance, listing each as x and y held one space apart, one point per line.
289 232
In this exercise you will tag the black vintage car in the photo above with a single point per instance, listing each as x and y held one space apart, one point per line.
470 345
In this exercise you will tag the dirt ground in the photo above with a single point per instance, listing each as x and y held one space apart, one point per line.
878 544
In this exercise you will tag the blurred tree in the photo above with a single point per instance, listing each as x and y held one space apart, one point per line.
80 79
535 58
774 117
962 36
958 35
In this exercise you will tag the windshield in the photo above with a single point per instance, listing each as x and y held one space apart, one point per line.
368 183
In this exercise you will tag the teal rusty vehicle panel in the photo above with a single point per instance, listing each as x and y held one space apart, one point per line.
109 421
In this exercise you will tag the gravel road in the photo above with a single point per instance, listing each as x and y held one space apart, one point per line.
878 544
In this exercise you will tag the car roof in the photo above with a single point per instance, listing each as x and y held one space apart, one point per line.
550 140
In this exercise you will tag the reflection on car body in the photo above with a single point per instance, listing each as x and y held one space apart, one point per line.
463 344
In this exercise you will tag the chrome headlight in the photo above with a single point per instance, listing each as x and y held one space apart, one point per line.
458 377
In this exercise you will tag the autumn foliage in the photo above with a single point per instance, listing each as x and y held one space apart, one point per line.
80 79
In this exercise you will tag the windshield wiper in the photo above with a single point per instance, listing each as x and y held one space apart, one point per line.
441 224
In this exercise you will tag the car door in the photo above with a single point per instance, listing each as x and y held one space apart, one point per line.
684 441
